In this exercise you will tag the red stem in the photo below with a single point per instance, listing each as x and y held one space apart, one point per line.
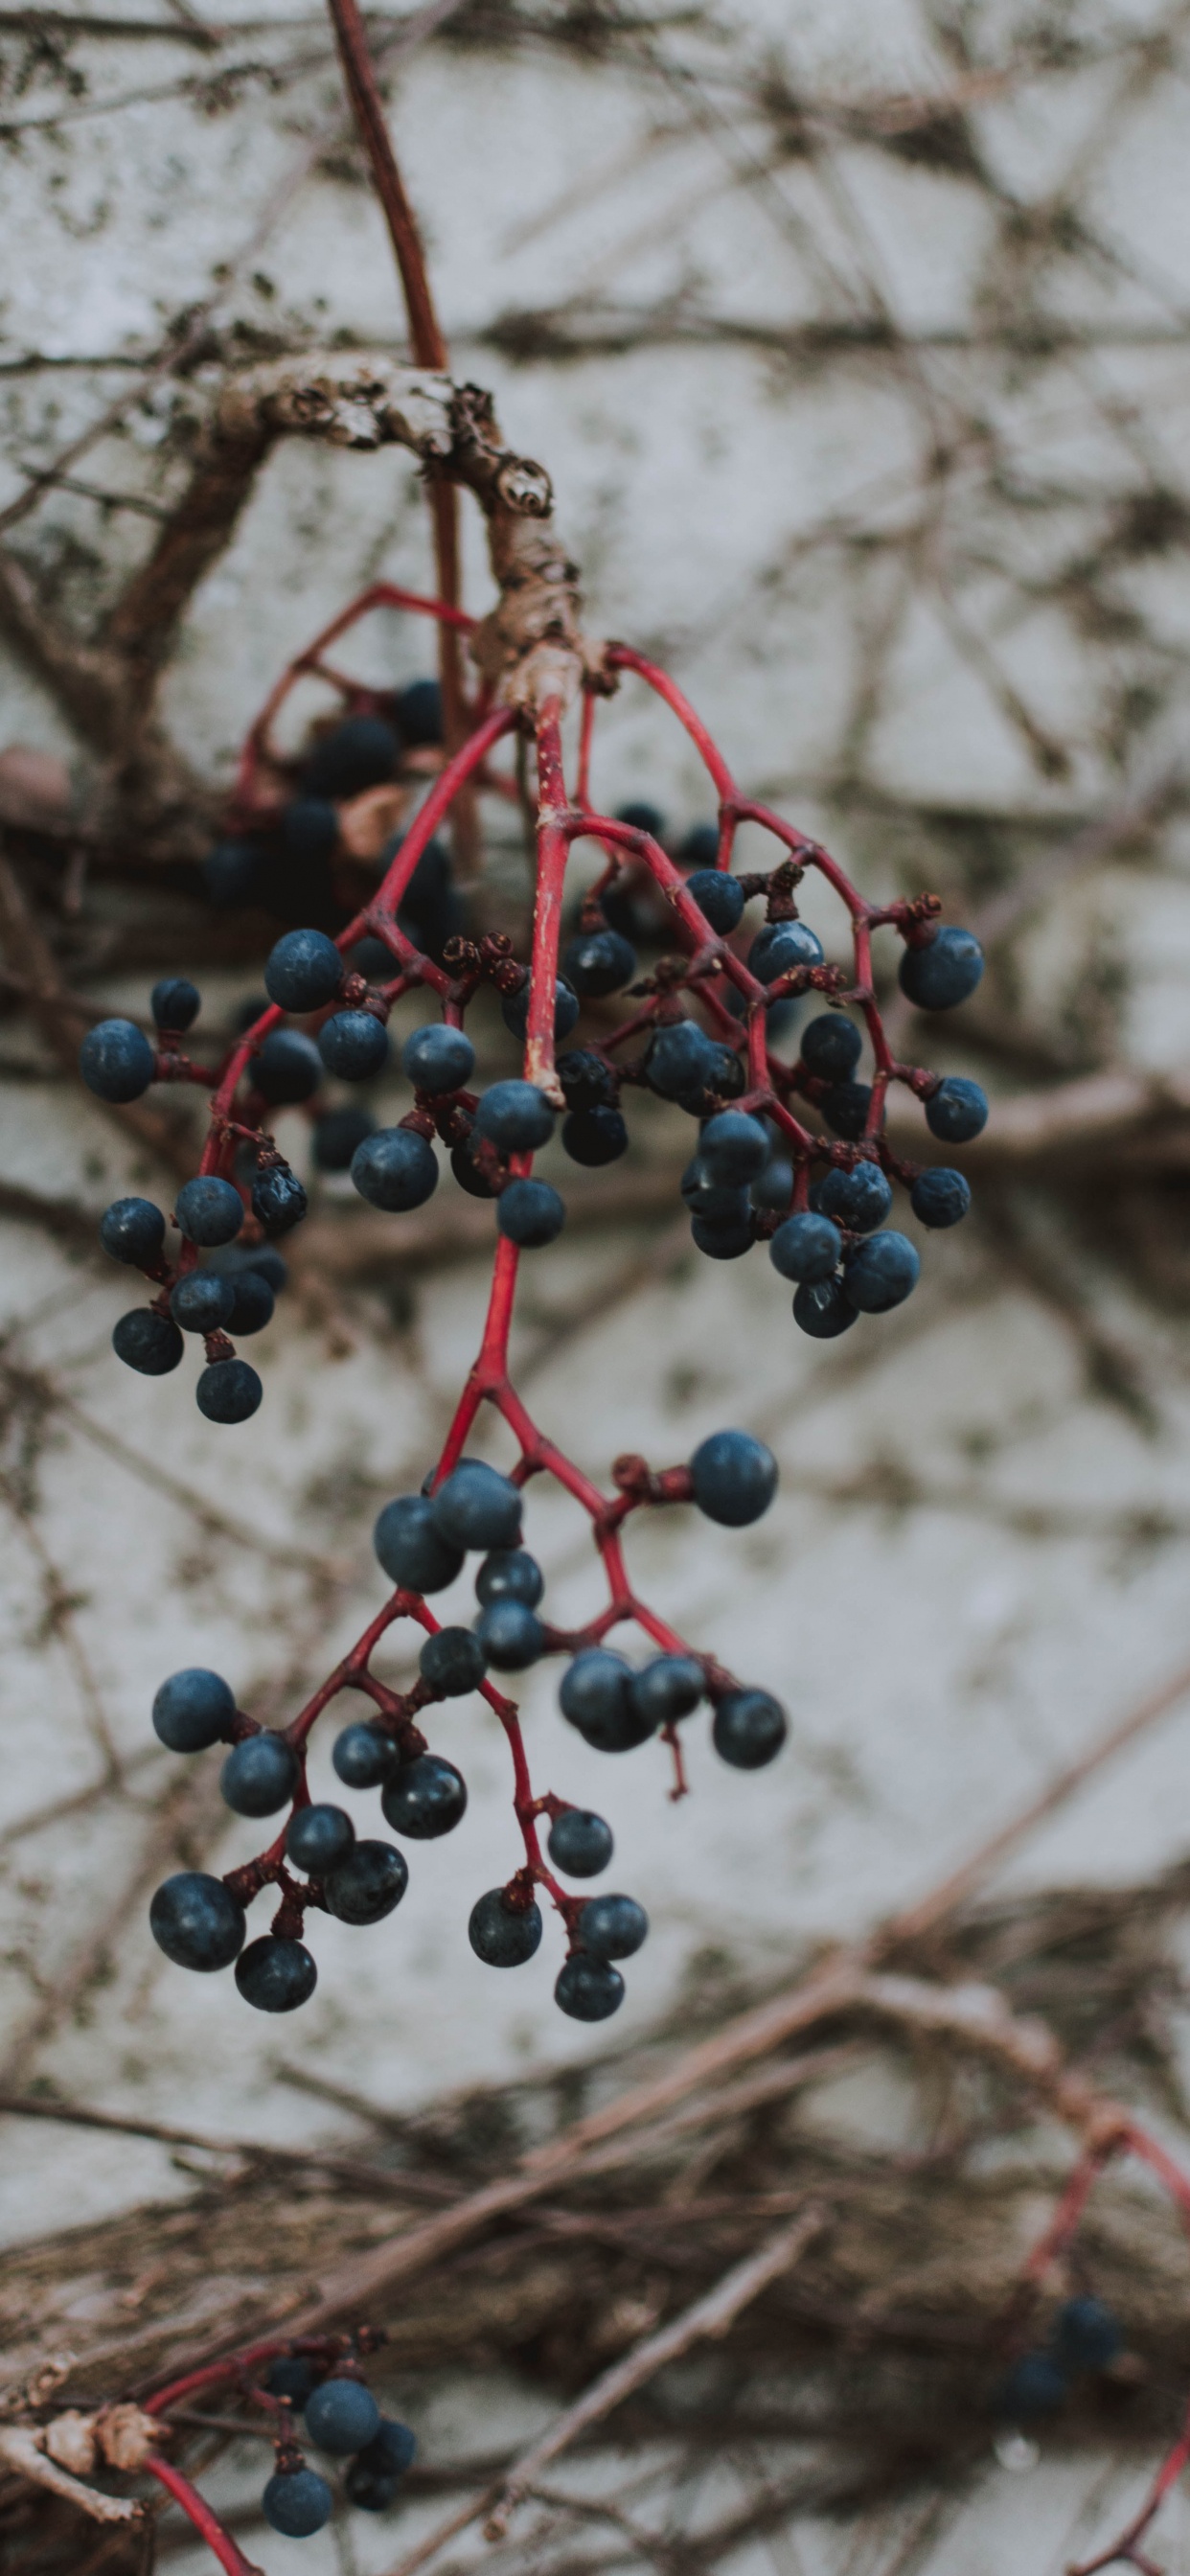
217 2538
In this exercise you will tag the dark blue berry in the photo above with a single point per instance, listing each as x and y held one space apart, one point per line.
303 970
722 1202
503 1936
640 816
297 2502
613 1927
363 1755
367 2491
174 1003
594 1136
679 1059
940 1197
148 1343
859 1199
722 1078
599 962
309 840
580 1843
236 1259
511 1635
832 1047
395 1169
391 2451
252 1302
453 1662
418 710
232 873
335 1136
723 1238
362 752
514 1009
209 1211
116 1060
133 1230
193 1709
202 1302
845 1108
517 1117
259 1775
957 1110
319 1837
782 945
530 1213
476 1507
341 2416
276 1974
410 1545
880 1273
821 1309
278 1199
425 1798
773 1188
353 1044
749 1730
1087 2336
368 1884
196 1921
944 972
287 1068
587 1082
806 1247
667 1688
733 1147
596 1696
1034 2386
229 1391
510 1574
437 1058
468 1174
699 849
719 896
735 1478
292 2376
588 1989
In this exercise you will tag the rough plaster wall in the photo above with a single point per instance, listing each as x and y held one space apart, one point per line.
975 1560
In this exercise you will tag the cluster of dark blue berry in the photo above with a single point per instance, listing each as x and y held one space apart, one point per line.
1085 2338
341 2418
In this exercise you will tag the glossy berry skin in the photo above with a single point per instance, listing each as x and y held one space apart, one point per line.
595 1695
733 1147
942 973
341 2415
252 1303
362 752
229 1391
859 1199
476 1507
773 1188
722 1078
202 1302
304 969
720 1202
116 1060
391 2451
832 1047
292 2376
594 1136
275 1975
782 945
133 1231
468 1174
363 1755
354 1045
278 1199
259 1775
514 1009
411 1548
335 1137
679 1059
587 1082
424 1799
517 1117
501 1936
735 1478
667 1688
806 1247
613 1927
580 1843
319 1837
175 1003
438 1059
511 1635
1087 2335
1035 2386
599 962
509 1574
418 710
719 896
149 1343
821 1310
845 1108
749 1730
957 1110
723 1238
940 1197
197 1922
297 2503
287 1069
880 1273
395 1169
530 1213
453 1662
588 1989
368 1884
193 1709
209 1211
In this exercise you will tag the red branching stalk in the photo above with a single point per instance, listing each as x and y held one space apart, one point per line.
205 2520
